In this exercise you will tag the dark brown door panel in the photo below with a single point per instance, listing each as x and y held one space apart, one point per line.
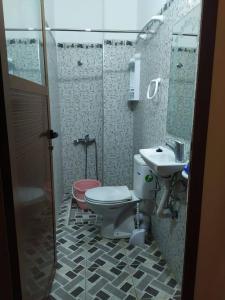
32 192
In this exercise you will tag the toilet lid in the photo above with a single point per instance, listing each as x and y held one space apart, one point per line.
109 194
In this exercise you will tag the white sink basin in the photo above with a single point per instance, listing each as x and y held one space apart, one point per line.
162 161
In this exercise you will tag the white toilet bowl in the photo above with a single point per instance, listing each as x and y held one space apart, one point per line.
117 203
117 206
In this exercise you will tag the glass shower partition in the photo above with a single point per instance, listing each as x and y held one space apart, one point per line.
24 40
80 77
94 86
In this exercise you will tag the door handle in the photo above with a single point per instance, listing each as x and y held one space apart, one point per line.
52 134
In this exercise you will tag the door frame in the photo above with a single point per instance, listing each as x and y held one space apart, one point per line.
10 282
211 259
199 144
198 150
10 286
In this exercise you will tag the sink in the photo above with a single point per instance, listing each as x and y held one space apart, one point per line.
162 161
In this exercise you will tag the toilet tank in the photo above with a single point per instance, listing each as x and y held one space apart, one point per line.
143 180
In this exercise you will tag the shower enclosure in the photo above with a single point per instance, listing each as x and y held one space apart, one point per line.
94 92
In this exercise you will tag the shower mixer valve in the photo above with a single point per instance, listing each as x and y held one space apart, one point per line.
85 141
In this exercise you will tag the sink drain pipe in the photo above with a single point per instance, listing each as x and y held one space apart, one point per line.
161 212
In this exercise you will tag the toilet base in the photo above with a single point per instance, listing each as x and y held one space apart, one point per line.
120 230
118 218
115 235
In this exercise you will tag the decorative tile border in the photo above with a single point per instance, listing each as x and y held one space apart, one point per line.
119 43
79 45
181 49
98 45
23 41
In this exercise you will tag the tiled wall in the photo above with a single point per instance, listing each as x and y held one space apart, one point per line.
181 92
150 119
118 116
81 98
27 59
170 235
93 94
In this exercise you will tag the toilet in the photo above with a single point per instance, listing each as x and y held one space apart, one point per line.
117 204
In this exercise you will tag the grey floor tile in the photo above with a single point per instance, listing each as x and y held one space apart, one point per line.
61 279
92 256
62 294
93 288
105 274
91 267
143 282
159 285
55 286
79 280
115 292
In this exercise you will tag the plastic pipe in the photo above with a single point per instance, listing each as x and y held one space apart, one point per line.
165 196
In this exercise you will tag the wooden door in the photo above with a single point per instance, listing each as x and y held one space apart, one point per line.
27 114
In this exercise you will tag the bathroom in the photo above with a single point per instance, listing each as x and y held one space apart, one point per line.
122 78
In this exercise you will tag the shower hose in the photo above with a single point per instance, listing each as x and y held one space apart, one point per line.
96 159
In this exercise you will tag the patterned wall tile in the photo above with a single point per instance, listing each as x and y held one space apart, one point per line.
81 97
93 95
27 59
170 234
118 117
181 92
150 119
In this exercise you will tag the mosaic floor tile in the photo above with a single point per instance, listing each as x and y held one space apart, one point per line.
91 267
82 217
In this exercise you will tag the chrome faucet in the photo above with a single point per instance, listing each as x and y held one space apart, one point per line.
178 150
